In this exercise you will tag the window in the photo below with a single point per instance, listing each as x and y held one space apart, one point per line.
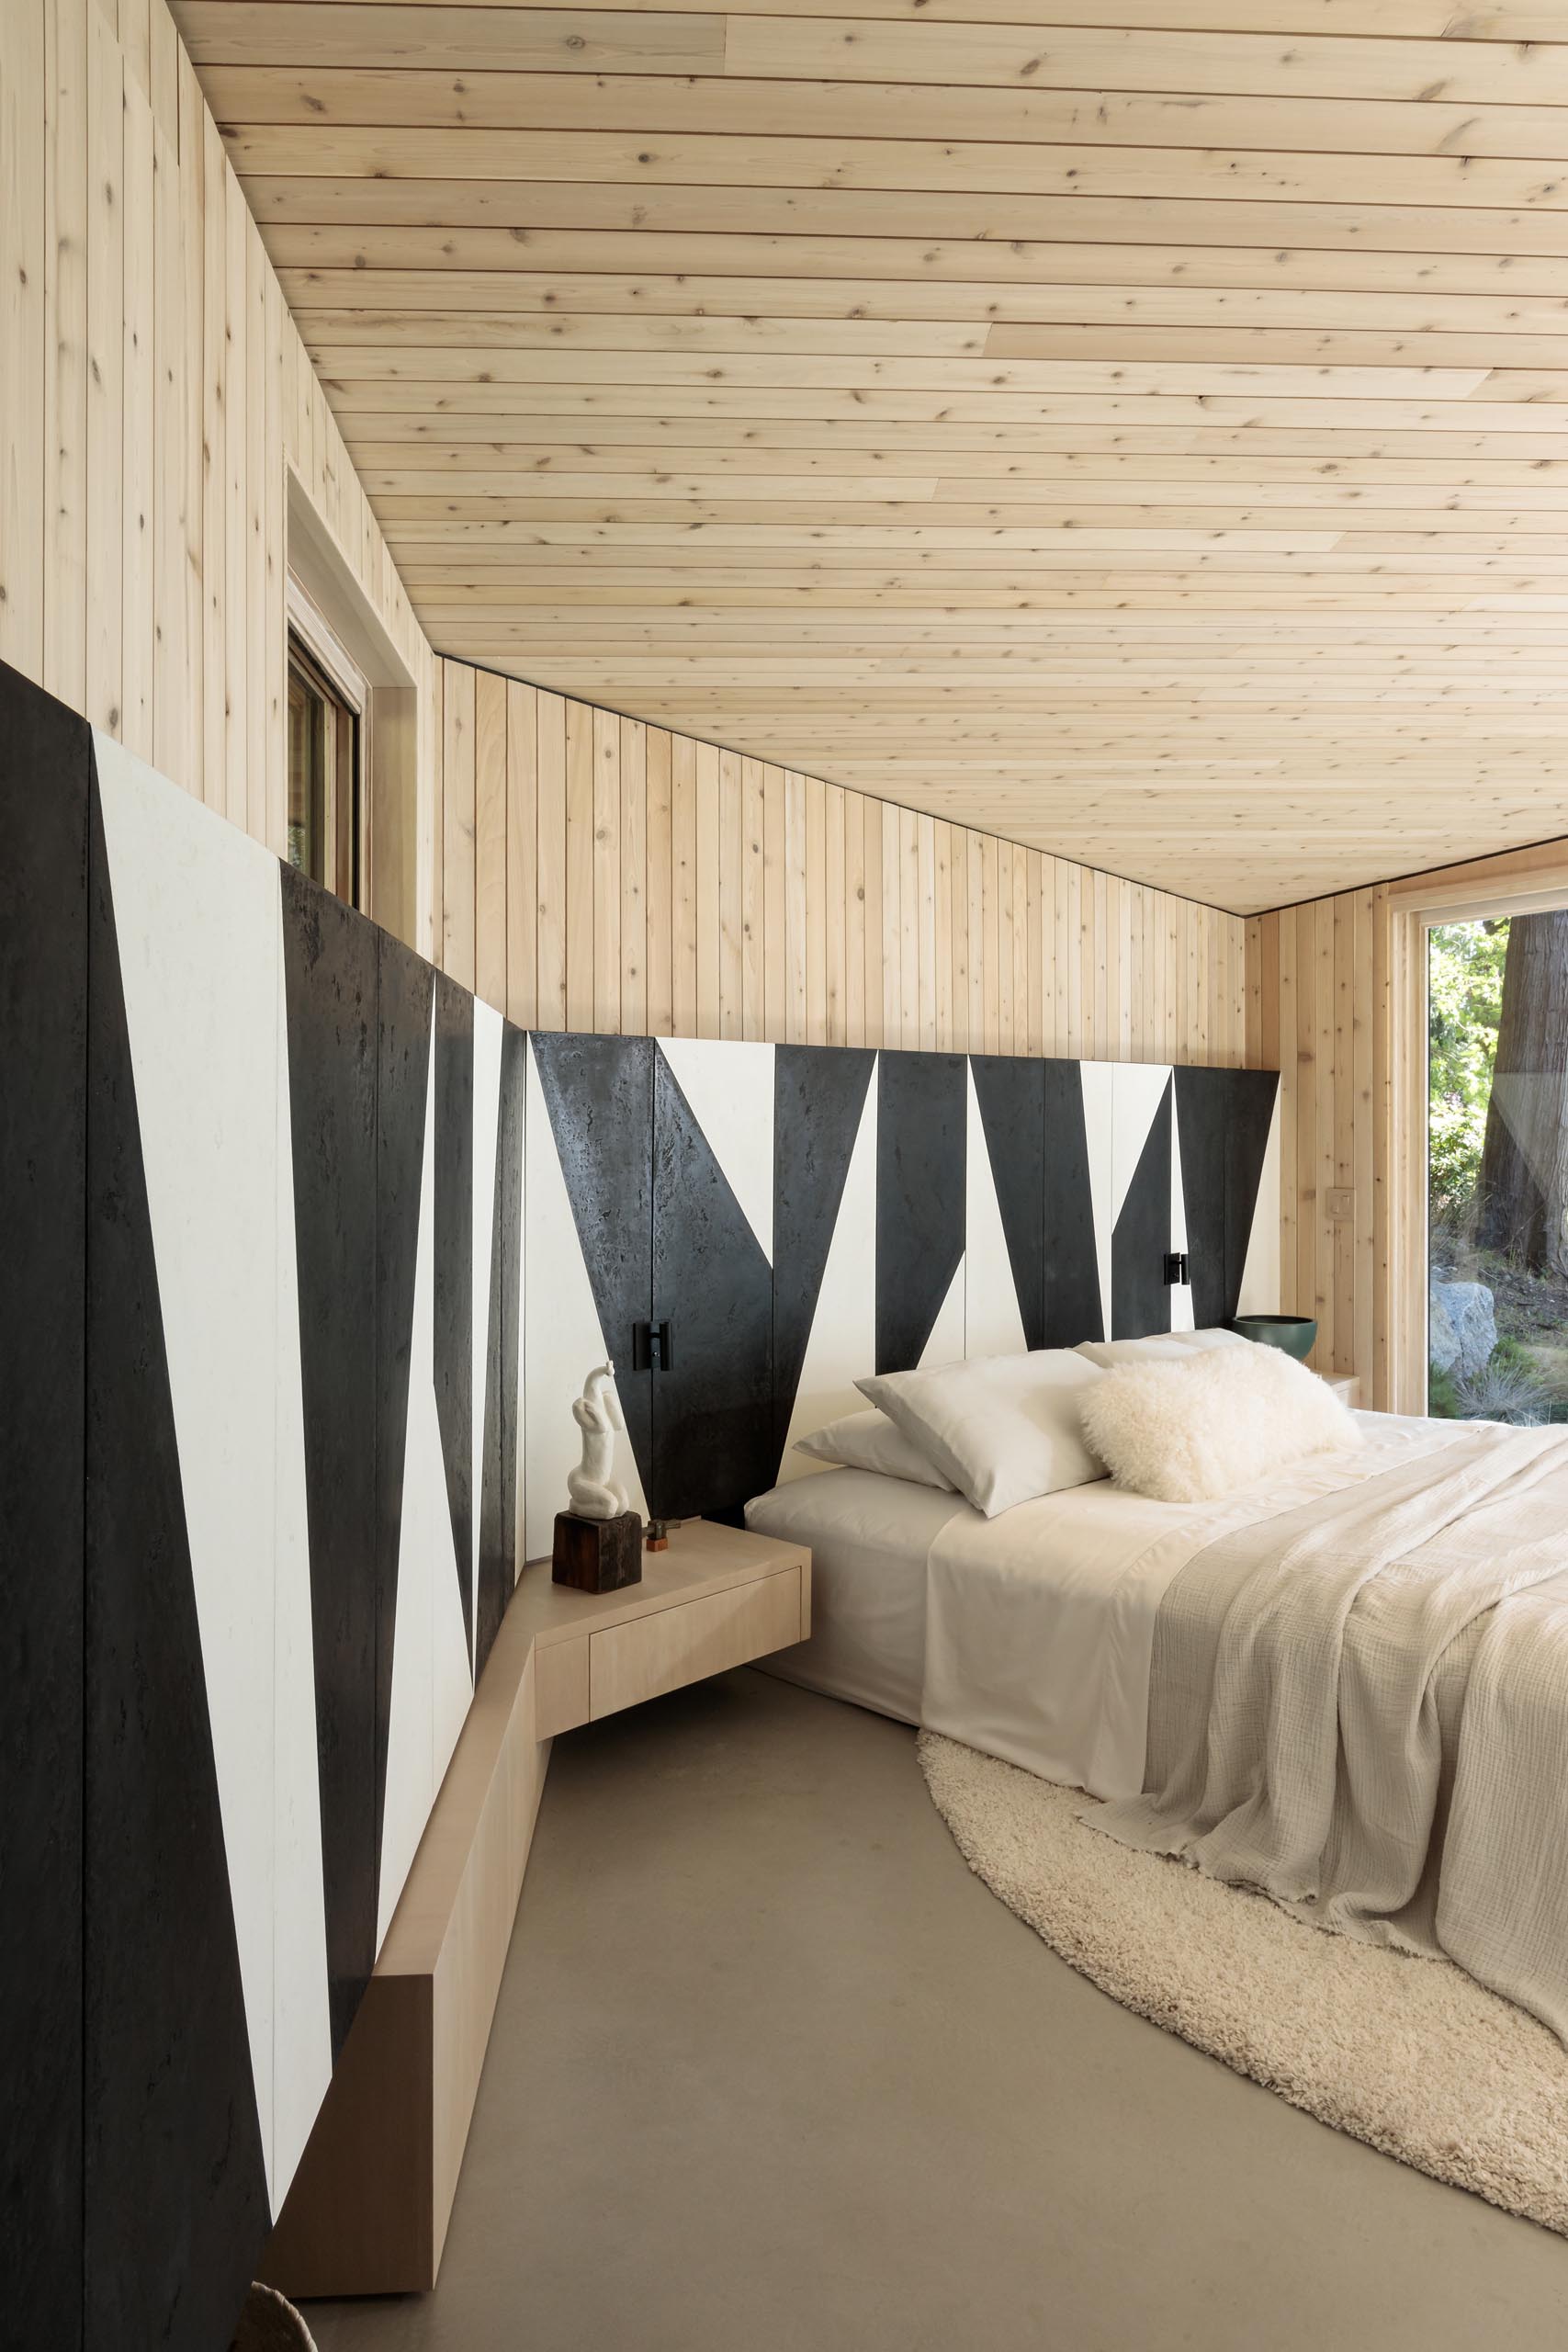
328 758
354 735
1497 1166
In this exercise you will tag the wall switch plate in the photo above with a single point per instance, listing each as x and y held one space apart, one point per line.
1341 1203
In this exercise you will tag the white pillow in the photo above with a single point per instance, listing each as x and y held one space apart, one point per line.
1187 1432
1159 1346
1004 1429
869 1441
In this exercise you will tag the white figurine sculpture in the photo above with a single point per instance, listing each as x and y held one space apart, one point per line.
597 1412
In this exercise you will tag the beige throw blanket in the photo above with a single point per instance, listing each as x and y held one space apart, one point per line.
1335 1718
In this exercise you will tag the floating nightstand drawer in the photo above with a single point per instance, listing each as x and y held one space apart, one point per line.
647 1656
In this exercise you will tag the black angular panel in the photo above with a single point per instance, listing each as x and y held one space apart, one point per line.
44 757
1252 1095
1074 1309
1222 1122
1202 1124
1140 1298
330 969
713 1417
405 985
819 1097
599 1093
922 1104
175 2181
455 1271
1010 1092
498 1510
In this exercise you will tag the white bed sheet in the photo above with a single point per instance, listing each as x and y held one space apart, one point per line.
870 1539
1029 1635
1040 1624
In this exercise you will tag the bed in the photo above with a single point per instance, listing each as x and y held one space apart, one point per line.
1122 1645
870 1538
1030 1635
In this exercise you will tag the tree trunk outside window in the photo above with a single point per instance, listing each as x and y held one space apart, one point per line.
1522 1197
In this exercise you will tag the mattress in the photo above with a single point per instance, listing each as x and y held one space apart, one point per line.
1029 1635
870 1539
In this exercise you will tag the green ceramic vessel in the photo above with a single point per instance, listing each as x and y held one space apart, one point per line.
1296 1334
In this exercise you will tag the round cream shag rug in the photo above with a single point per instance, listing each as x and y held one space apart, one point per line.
1411 2055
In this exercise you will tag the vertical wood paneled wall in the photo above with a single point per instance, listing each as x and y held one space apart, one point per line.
599 874
1317 1008
152 391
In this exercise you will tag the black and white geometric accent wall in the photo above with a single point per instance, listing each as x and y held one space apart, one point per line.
799 1215
262 1175
310 1252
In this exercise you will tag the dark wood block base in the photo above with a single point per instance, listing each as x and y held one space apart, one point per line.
598 1555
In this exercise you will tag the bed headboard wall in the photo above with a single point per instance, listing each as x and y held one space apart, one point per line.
798 1216
311 1252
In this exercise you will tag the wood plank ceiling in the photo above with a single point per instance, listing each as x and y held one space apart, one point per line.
1139 427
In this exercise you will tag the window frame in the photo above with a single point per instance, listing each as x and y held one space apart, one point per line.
1526 882
330 671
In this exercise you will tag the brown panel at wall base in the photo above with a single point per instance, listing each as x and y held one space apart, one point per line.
369 2205
358 2214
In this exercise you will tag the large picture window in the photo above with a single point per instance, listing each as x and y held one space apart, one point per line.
1498 1166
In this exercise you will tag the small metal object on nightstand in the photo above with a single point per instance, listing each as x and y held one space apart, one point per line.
657 1538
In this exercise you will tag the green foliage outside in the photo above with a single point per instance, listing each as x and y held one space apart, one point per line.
1525 1377
1465 1002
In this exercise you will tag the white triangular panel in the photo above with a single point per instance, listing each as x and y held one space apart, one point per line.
563 1338
200 938
842 1345
993 1323
1260 1286
1182 1315
487 1029
730 1089
451 1665
410 1783
302 2038
431 1680
1099 1118
945 1344
1137 1091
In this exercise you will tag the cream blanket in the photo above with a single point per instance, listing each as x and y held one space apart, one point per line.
1360 1707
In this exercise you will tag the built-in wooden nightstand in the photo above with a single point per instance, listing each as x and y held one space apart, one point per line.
368 2210
717 1597
1346 1386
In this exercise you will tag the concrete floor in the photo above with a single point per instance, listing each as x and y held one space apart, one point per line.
773 2073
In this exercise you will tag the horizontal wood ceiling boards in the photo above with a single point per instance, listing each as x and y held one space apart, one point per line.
1138 427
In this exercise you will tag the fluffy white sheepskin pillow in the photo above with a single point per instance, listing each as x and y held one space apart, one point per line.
1185 1432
